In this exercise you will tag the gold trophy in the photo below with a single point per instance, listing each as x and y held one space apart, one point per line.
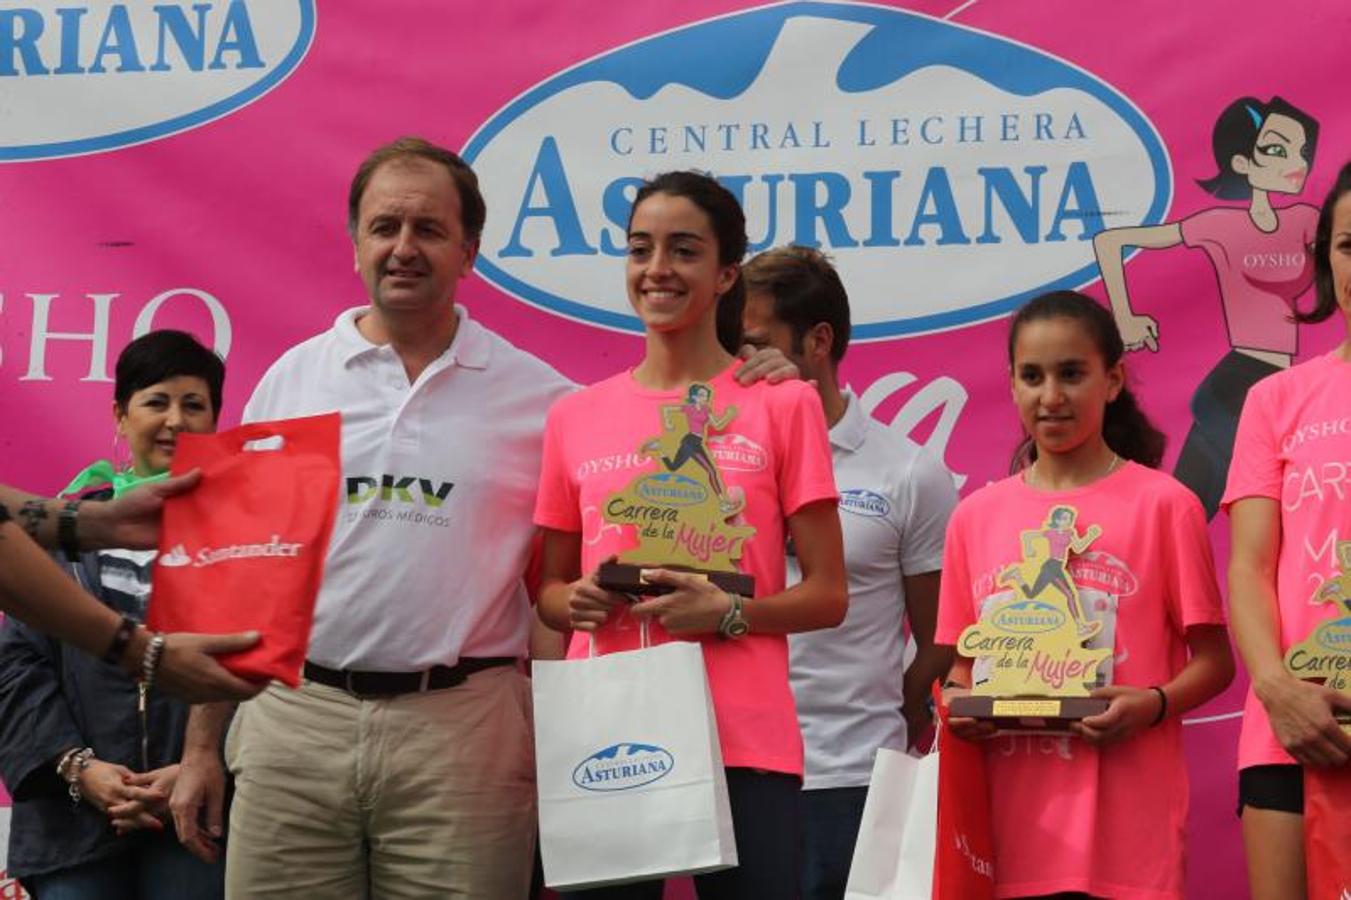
1031 670
1325 655
680 509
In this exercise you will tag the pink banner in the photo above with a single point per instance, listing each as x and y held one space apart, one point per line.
186 165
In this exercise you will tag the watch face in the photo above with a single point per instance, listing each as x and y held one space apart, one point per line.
738 629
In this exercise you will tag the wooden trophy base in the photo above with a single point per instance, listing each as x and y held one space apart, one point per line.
626 578
1048 714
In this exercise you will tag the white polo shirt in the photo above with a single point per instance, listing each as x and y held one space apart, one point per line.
437 494
895 499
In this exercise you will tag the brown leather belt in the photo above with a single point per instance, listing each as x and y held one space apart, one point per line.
388 684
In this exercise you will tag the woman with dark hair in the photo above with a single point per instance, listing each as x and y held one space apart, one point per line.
1260 256
89 755
1288 514
1102 812
686 238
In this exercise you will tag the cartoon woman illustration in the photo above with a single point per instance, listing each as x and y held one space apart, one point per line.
1262 265
699 416
1060 538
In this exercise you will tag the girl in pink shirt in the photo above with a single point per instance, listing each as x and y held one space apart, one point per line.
1100 812
686 238
1290 523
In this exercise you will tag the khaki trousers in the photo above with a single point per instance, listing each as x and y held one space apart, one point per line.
426 795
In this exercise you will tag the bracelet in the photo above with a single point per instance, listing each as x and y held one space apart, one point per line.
733 624
69 768
1163 705
65 530
154 652
125 630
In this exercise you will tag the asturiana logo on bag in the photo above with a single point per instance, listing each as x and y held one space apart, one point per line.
179 556
622 767
951 173
126 73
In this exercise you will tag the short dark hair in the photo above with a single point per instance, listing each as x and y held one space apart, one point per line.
1325 292
472 208
729 227
806 290
1235 134
161 355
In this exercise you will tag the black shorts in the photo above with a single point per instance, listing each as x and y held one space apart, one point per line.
1278 787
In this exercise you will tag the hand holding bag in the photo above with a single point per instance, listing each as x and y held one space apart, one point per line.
245 549
630 775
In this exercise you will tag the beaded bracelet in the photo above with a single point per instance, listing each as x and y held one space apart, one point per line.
65 530
154 652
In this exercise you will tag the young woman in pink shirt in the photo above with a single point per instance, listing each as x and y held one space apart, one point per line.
1290 522
686 238
1100 812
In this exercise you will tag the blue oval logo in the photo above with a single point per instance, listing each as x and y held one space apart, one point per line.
128 73
622 767
951 173
864 503
670 489
1028 617
1335 635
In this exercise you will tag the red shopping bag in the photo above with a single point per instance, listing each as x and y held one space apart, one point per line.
1327 832
964 849
245 550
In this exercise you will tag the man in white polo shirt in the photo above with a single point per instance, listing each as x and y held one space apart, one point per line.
376 778
895 499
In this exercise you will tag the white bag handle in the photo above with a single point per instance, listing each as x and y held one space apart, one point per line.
644 639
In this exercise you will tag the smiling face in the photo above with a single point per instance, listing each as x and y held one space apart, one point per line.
411 250
1061 384
156 415
673 274
1277 164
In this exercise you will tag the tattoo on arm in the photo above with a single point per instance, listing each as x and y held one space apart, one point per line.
32 513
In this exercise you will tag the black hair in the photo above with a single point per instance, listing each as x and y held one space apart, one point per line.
1325 292
161 355
1235 134
806 291
729 228
1125 428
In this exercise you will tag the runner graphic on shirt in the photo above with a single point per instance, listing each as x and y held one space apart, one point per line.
698 416
1046 550
1262 261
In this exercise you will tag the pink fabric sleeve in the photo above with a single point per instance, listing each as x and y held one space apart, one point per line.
1206 226
556 504
805 471
955 607
1256 468
1193 594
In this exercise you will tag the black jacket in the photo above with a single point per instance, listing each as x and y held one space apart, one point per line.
52 698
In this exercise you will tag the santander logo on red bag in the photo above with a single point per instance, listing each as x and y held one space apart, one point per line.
245 549
209 556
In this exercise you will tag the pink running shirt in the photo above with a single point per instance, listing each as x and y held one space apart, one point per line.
776 450
1294 446
1066 816
1260 274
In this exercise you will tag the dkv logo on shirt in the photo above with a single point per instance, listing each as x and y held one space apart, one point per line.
179 556
969 168
137 72
622 767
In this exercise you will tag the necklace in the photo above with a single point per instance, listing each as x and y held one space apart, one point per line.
1111 467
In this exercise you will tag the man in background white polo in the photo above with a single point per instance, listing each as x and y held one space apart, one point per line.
895 499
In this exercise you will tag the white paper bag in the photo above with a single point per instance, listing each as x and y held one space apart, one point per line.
631 783
894 855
